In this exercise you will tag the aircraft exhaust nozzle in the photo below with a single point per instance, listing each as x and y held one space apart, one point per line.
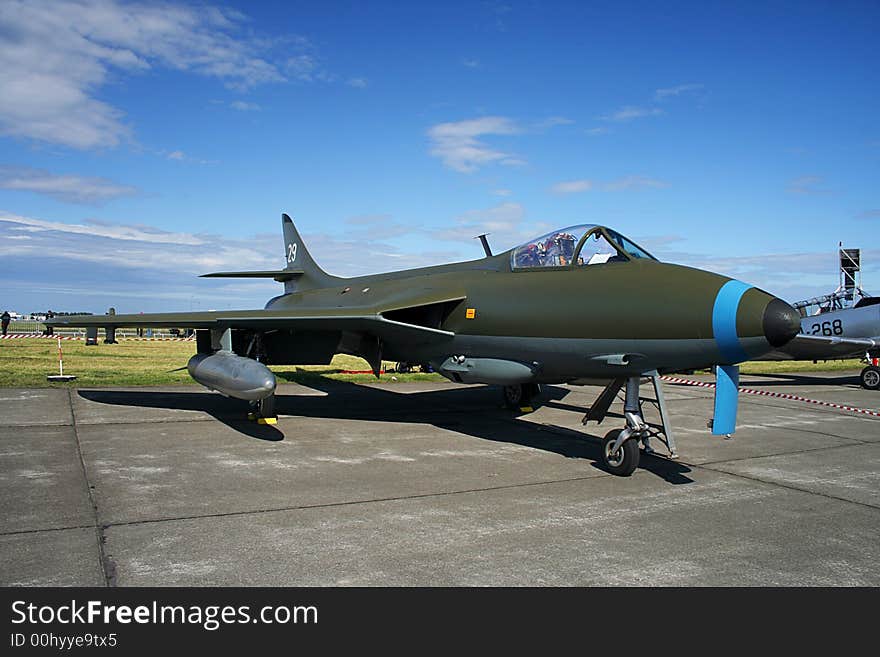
232 375
781 322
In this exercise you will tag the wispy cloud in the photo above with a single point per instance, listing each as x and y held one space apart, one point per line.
671 92
505 222
470 63
69 188
306 67
630 113
595 132
243 106
20 224
552 122
792 276
357 83
58 55
618 185
572 187
807 185
377 227
634 182
459 148
122 261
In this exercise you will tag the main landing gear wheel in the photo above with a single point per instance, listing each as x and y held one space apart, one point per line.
625 460
870 377
519 395
264 410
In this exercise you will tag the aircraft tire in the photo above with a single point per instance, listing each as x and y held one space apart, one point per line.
626 460
519 395
514 396
870 377
266 406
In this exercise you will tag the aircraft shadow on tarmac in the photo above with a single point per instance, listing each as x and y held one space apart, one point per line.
474 411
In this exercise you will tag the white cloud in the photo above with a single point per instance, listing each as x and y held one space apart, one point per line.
243 106
633 182
373 227
572 187
502 192
671 92
176 155
69 188
122 261
58 54
595 132
630 112
456 143
97 229
806 185
620 184
357 83
552 122
504 221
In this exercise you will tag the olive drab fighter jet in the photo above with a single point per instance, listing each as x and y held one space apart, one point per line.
578 305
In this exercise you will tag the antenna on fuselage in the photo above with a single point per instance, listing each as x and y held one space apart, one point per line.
485 244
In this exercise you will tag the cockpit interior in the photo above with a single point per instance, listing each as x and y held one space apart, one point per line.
576 246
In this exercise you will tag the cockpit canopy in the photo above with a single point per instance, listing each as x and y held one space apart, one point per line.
586 244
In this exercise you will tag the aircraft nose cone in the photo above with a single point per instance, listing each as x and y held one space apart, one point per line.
781 322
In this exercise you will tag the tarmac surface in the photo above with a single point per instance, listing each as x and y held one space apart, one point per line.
424 484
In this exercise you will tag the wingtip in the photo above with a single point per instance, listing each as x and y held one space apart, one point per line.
286 217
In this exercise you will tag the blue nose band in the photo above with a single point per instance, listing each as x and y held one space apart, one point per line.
724 321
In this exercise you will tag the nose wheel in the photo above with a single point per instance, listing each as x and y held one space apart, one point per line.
620 459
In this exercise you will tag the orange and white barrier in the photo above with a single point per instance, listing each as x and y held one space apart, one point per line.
779 395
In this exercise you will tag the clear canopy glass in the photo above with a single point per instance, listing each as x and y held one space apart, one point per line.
585 244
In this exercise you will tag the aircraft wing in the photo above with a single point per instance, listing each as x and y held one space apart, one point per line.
262 320
820 347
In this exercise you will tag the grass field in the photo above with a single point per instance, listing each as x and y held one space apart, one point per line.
25 362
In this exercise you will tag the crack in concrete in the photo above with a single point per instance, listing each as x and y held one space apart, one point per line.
108 568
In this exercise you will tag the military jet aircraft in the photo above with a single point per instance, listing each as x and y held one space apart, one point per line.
576 305
835 334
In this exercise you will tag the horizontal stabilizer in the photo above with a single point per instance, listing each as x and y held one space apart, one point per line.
280 275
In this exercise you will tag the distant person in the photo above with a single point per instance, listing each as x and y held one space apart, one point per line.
4 320
49 329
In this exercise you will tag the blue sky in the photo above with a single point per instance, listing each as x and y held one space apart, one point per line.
144 143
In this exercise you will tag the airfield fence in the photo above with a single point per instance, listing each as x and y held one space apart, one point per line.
36 328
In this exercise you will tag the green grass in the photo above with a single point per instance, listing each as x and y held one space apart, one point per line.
25 362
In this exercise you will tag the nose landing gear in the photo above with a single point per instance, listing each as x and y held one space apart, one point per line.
620 447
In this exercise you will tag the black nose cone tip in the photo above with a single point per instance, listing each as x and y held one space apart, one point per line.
781 322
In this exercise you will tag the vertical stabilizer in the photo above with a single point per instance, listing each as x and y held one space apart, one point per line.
299 259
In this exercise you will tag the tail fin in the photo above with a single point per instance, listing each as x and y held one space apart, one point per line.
300 260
